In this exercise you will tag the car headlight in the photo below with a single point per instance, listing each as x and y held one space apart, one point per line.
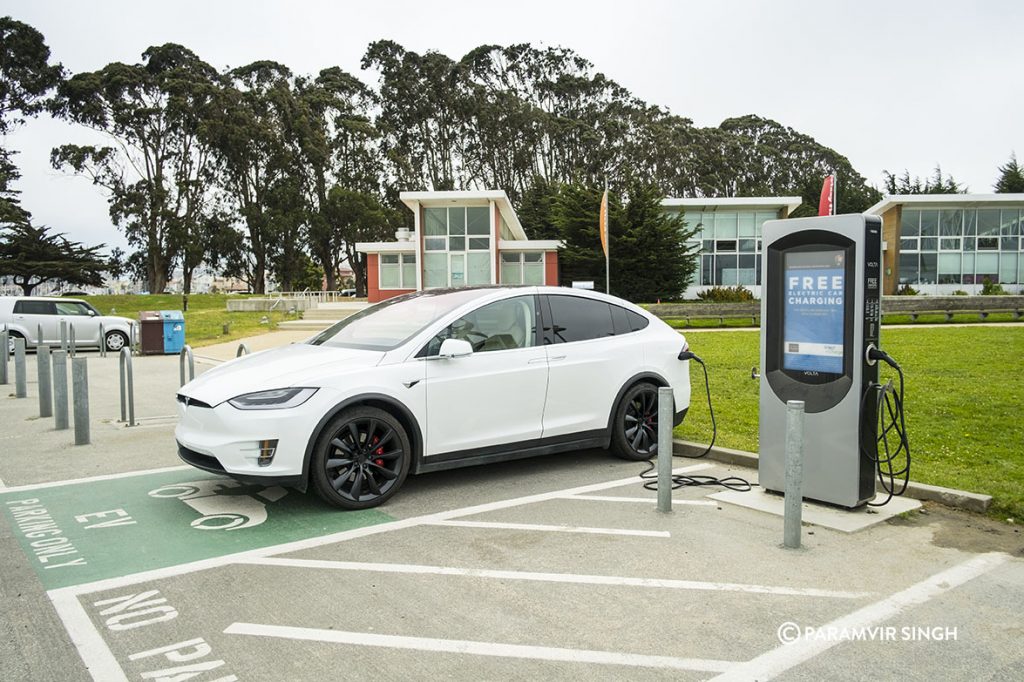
276 399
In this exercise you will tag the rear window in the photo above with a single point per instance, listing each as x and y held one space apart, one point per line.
33 308
580 319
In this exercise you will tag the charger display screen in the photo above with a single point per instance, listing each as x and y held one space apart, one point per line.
813 311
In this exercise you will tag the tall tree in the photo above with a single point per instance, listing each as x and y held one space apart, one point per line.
32 256
26 77
649 259
336 148
251 137
936 184
354 217
1011 177
158 174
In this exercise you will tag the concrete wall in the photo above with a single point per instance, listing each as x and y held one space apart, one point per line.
239 305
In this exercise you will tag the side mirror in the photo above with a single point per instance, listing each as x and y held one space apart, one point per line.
92 313
455 348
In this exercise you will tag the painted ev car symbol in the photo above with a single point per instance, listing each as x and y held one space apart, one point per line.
223 505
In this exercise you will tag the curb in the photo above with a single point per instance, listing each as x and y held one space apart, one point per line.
958 499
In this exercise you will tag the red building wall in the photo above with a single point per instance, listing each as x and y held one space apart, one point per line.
551 268
374 293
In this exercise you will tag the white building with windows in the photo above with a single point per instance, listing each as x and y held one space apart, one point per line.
458 239
728 237
943 243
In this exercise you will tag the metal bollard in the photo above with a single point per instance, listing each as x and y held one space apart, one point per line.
103 341
39 334
127 387
794 473
60 390
43 376
20 380
5 343
665 408
80 390
242 350
186 352
71 340
64 335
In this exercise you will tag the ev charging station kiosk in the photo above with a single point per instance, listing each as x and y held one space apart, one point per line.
820 319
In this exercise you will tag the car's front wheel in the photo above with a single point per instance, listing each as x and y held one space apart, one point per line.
361 458
116 341
635 426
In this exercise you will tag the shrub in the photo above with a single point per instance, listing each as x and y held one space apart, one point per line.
907 290
960 292
737 294
990 288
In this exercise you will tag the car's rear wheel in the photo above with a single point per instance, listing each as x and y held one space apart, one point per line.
361 458
116 341
11 336
635 426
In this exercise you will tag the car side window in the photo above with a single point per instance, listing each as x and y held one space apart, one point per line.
71 308
503 325
33 308
575 318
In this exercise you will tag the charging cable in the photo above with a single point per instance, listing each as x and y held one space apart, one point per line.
891 459
682 480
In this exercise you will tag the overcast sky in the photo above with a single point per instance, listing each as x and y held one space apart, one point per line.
892 85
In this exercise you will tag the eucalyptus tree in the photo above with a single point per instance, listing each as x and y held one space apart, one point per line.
26 78
251 135
158 170
420 115
338 150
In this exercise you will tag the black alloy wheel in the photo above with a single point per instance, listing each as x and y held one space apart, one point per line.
635 432
362 458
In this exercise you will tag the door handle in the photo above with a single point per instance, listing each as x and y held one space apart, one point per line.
536 361
556 357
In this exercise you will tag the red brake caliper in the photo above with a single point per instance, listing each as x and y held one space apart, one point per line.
380 451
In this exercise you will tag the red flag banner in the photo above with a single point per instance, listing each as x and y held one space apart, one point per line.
603 223
827 203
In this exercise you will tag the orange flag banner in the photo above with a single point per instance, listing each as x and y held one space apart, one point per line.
603 223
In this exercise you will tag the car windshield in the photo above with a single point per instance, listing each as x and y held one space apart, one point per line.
389 324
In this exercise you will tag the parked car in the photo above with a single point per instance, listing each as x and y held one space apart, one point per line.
25 315
349 293
437 380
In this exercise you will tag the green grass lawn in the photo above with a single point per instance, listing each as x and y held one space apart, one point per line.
204 320
958 318
964 402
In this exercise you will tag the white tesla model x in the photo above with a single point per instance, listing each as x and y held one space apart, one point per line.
437 380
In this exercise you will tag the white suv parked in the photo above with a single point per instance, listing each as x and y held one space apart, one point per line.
25 316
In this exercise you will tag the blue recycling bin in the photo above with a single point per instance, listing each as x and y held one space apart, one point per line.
174 330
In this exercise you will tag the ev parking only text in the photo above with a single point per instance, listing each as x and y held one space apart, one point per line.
47 541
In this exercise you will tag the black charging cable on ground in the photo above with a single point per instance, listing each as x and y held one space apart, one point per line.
889 420
683 480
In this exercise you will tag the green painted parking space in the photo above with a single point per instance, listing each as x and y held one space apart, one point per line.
82 532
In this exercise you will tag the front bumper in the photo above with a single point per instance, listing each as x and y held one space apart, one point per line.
225 440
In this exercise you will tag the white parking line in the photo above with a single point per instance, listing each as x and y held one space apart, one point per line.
97 655
461 646
779 660
648 500
551 529
569 578
92 479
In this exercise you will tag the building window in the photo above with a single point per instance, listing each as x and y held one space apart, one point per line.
522 267
457 240
398 271
727 233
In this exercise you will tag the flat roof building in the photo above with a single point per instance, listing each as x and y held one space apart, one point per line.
728 237
458 239
943 243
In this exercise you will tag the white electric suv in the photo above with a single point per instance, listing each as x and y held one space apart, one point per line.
437 380
28 316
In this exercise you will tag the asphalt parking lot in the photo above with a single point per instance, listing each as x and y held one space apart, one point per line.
118 563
